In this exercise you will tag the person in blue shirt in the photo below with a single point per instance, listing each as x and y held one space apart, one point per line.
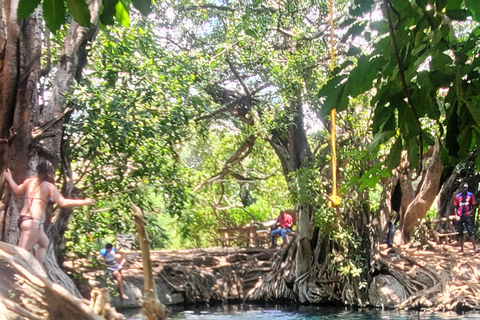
464 203
110 258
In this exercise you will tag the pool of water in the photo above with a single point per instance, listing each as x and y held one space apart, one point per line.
248 312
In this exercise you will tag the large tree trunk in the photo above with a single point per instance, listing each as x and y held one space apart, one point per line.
56 114
419 206
294 153
18 104
39 128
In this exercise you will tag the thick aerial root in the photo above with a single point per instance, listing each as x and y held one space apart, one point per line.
442 280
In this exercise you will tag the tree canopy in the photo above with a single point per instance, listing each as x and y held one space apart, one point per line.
422 61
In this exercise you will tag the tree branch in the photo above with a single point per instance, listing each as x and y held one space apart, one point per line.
232 104
239 78
241 153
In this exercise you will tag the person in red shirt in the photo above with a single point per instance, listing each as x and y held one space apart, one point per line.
464 203
285 221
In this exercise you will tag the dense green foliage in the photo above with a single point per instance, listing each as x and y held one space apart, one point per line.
154 123
424 68
55 11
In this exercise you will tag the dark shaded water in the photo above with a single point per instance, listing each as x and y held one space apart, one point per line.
293 312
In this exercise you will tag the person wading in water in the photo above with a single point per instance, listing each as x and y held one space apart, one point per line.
38 190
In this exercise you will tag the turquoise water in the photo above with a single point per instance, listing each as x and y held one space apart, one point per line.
243 312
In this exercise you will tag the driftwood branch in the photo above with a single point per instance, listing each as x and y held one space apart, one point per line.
154 309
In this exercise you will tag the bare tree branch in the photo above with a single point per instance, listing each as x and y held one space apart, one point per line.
232 104
239 78
241 153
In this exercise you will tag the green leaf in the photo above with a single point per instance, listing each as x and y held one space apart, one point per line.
474 108
428 139
464 140
80 12
474 6
54 14
122 15
381 27
353 51
454 4
251 33
407 122
26 7
380 138
477 139
354 31
458 14
451 143
400 5
440 4
144 6
383 119
108 12
393 158
413 154
331 85
361 78
335 100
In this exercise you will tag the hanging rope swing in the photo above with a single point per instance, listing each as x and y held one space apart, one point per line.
333 200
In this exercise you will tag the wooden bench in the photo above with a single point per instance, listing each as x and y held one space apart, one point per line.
248 235
448 229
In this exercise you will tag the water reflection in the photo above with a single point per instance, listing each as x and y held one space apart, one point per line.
293 312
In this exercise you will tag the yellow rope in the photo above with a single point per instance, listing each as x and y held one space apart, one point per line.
334 200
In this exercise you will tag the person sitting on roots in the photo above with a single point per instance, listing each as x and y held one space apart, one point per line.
285 221
110 258
38 190
464 203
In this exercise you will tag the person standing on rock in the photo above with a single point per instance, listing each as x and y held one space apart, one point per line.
38 191
464 203
110 258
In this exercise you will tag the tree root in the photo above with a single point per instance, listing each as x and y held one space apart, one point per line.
435 280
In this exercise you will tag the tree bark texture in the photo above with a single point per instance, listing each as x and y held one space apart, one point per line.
39 129
154 309
294 153
18 105
27 293
419 206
